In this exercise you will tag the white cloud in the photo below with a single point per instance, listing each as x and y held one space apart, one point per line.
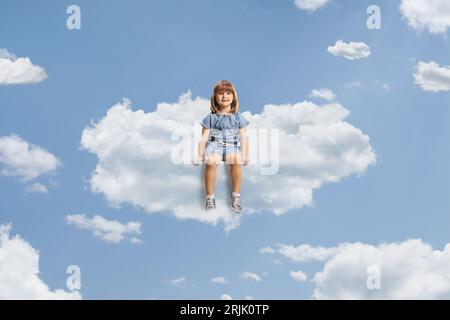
410 269
380 84
24 160
325 94
431 77
432 15
225 296
15 70
135 240
298 276
38 187
220 280
376 84
19 271
135 164
311 5
107 230
307 253
179 282
354 84
5 54
268 250
350 51
250 276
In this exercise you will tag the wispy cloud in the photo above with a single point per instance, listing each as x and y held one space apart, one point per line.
375 84
353 84
38 187
107 230
250 276
324 93
179 282
24 160
307 253
266 250
311 5
220 280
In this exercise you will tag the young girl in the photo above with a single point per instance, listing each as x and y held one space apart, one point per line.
221 132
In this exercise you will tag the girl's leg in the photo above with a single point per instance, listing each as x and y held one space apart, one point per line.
210 173
234 160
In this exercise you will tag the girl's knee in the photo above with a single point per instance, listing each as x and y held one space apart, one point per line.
212 161
234 160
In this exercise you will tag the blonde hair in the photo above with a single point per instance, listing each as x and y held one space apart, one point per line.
224 86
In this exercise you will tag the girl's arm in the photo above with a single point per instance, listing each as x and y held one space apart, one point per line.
202 144
244 145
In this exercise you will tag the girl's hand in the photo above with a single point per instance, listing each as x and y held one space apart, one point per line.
245 159
200 159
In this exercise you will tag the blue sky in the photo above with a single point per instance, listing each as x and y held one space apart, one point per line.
275 53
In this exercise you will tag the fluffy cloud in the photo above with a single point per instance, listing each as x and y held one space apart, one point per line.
19 270
432 15
298 276
106 230
431 77
250 276
15 70
350 51
325 94
220 280
310 5
139 162
410 269
24 160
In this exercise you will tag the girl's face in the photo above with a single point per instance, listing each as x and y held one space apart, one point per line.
224 99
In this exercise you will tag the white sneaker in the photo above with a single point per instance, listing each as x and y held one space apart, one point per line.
236 203
210 203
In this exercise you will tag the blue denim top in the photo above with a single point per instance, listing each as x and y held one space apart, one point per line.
224 127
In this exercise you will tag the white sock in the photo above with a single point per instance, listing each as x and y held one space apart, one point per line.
237 194
210 196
